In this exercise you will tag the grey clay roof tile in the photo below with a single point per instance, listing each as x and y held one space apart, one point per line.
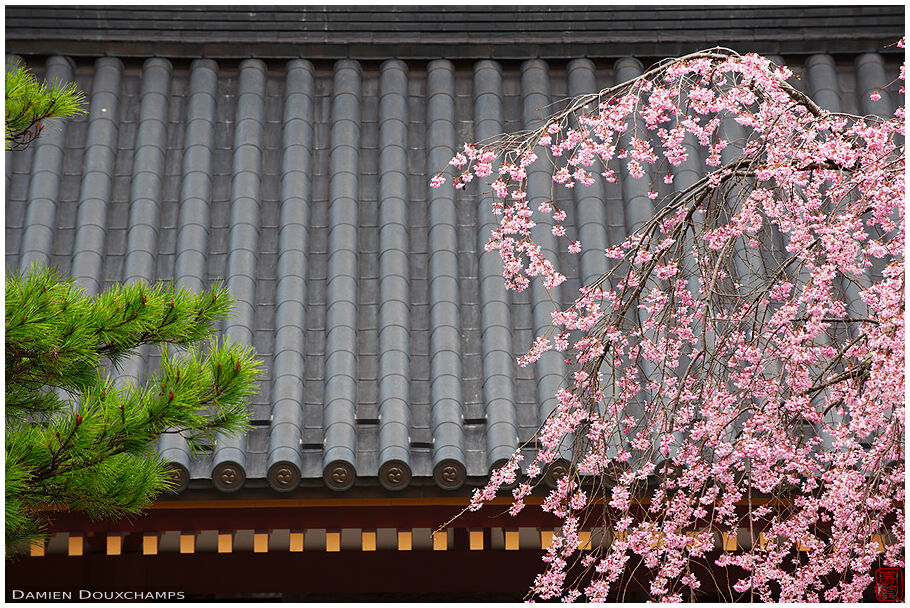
388 339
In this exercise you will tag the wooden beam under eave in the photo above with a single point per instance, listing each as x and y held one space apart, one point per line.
75 545
149 544
475 540
237 518
584 540
332 542
404 540
295 544
441 541
546 539
512 543
225 542
37 548
368 540
114 544
188 542
260 542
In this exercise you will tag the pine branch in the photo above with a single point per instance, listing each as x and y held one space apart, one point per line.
95 452
30 104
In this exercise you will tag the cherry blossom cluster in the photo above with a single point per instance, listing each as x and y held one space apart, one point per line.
742 364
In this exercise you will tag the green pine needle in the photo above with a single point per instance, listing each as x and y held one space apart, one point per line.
75 439
30 104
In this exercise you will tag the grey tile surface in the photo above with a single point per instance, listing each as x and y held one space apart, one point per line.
388 340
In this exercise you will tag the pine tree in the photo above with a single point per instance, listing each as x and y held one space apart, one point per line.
30 103
77 440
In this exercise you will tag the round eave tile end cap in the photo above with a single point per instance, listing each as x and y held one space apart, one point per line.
228 476
449 474
284 476
339 475
394 475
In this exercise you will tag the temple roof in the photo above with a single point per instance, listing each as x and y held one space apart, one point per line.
388 340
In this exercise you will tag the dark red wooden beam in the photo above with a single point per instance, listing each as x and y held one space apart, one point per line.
304 517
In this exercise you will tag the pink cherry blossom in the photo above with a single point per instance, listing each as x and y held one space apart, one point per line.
742 366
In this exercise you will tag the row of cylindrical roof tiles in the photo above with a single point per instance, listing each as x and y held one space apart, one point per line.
325 146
